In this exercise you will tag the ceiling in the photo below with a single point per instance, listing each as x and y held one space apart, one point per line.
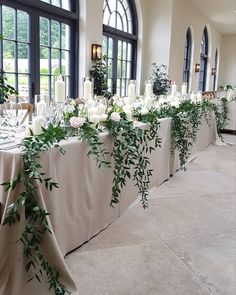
220 12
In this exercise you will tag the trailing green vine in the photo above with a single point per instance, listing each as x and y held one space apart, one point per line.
36 224
130 151
91 136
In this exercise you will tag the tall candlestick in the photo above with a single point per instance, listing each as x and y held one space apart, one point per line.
148 89
173 89
41 107
132 91
37 125
87 89
184 89
60 90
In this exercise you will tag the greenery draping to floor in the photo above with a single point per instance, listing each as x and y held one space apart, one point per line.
132 146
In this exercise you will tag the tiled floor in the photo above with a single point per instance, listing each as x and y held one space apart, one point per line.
184 244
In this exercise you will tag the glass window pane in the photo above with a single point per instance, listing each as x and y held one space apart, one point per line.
44 82
129 52
55 34
110 70
23 86
67 86
56 3
109 84
66 4
55 62
125 50
119 25
44 29
65 63
65 36
44 60
22 26
112 22
104 45
110 49
23 58
9 56
11 79
118 69
128 70
119 53
118 87
8 22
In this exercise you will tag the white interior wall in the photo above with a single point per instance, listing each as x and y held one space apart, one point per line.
156 37
162 30
227 73
90 30
185 15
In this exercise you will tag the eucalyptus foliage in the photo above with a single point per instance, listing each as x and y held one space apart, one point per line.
5 88
91 136
160 79
130 153
98 73
36 223
186 120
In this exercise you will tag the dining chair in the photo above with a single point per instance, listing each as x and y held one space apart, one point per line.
26 107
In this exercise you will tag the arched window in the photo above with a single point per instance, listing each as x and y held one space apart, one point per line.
203 61
119 43
215 71
187 57
39 43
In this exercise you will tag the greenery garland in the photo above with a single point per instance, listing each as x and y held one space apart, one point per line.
186 120
132 145
91 136
130 150
36 224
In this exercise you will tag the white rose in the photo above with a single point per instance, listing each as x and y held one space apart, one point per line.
127 108
103 117
129 115
115 116
92 111
101 109
174 103
143 111
126 100
94 119
77 122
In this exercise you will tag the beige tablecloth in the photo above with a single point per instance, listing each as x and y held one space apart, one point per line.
79 209
206 135
231 125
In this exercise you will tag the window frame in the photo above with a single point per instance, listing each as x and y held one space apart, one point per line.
216 69
203 61
187 57
35 11
118 35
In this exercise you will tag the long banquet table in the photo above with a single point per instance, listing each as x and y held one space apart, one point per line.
231 124
79 209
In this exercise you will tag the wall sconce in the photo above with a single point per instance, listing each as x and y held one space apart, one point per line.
197 68
96 52
213 71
